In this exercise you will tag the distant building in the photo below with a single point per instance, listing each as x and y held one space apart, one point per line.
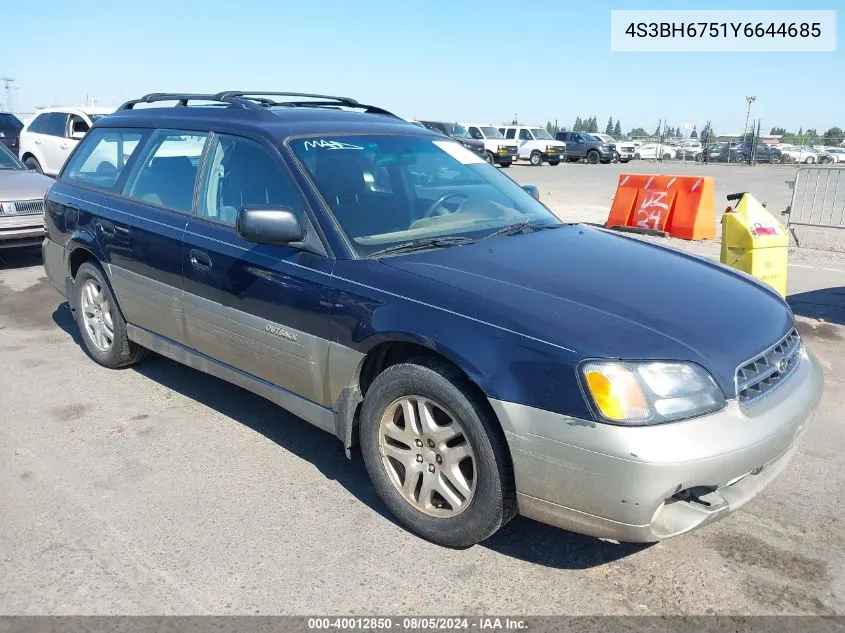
768 139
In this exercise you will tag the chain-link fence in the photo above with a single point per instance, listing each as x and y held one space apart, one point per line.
732 150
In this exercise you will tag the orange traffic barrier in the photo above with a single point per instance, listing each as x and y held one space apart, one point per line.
681 206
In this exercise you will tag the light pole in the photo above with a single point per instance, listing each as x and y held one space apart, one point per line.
10 86
750 100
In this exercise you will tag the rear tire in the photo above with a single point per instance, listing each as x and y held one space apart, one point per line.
809 160
488 156
593 157
485 476
637 157
32 163
100 321
536 159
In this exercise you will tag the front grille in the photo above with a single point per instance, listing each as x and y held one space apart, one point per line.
29 207
759 377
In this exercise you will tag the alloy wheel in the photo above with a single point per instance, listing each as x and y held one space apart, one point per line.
97 315
427 456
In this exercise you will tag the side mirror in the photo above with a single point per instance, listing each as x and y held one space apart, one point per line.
77 135
275 225
532 190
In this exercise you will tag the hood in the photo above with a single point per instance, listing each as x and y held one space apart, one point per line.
23 185
612 296
474 143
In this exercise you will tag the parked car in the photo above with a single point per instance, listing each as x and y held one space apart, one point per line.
10 131
624 149
21 202
742 152
498 150
836 153
48 139
535 144
583 145
459 133
687 148
799 154
387 285
823 157
653 151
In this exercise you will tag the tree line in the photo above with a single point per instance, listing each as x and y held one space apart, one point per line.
832 136
614 129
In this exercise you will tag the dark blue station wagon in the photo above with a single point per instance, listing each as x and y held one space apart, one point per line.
387 285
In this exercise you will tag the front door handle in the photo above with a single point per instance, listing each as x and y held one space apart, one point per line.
107 228
64 146
200 260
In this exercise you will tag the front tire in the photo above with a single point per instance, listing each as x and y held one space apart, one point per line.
553 163
637 157
593 157
100 321
435 453
809 160
505 163
488 156
536 159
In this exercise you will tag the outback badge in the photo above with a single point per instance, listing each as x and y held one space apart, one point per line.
280 331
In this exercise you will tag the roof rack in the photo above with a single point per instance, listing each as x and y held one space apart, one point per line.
319 101
182 99
258 100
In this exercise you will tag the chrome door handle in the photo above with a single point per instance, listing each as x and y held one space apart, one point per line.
200 260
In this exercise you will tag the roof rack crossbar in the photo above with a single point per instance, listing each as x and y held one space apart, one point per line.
262 93
182 99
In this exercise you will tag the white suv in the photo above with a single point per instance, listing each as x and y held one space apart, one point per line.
535 144
48 139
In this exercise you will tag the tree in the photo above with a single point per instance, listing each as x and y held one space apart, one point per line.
609 129
579 125
801 131
657 130
594 126
777 131
617 129
693 134
637 132
834 136
550 128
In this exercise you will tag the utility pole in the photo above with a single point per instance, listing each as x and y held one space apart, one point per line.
10 86
750 100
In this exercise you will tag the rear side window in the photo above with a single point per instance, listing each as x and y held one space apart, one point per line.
56 124
511 133
167 174
240 172
9 122
102 157
38 123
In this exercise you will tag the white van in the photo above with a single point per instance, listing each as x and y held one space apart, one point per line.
498 151
535 144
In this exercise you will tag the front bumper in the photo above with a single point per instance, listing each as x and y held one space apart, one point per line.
648 483
22 230
553 155
507 157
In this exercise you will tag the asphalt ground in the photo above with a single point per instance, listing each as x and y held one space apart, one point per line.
160 490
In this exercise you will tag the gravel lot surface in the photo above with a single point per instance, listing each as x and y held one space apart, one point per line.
160 490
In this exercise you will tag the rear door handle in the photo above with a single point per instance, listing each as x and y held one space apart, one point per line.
200 260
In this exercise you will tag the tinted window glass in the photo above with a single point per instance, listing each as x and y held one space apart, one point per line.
475 133
9 122
78 124
525 135
510 133
56 124
8 160
167 174
101 158
39 123
240 172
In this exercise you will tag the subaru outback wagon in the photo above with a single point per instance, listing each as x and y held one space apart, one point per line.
387 285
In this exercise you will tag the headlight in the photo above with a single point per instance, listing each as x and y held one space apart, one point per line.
639 393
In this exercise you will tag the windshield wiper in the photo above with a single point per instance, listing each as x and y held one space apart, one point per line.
422 244
520 227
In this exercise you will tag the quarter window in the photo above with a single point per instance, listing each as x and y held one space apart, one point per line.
39 123
167 174
240 172
101 158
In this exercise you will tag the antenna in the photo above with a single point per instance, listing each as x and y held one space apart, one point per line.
11 86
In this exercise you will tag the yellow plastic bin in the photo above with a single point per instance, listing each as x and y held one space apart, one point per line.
754 242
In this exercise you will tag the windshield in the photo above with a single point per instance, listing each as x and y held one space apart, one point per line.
8 160
540 133
459 131
386 190
491 132
604 138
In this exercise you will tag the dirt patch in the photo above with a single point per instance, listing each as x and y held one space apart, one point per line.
821 331
69 412
784 598
748 550
28 309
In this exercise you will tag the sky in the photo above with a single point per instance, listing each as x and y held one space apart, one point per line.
479 61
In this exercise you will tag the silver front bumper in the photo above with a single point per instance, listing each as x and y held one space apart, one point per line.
648 483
